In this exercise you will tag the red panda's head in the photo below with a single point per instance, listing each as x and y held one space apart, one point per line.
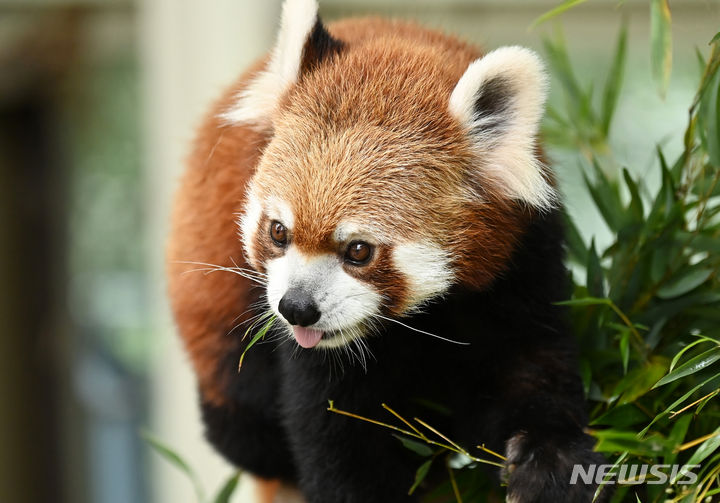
398 164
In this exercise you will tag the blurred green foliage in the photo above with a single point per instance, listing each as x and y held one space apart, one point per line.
222 495
647 313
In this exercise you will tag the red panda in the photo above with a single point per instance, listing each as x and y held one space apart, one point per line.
378 188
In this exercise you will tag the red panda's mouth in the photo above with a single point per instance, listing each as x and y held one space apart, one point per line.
307 337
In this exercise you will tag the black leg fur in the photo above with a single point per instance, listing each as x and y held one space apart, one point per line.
247 430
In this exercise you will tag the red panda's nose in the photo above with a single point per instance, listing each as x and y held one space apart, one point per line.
298 308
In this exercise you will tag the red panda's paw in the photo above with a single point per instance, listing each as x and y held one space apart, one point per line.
541 470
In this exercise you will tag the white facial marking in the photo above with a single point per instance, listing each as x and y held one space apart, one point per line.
350 230
279 210
256 103
509 155
248 224
343 301
427 269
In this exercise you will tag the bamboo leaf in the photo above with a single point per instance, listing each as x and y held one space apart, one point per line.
614 81
576 246
636 206
620 441
567 4
606 197
706 449
420 475
700 362
228 489
676 437
578 106
585 301
709 114
622 416
700 241
639 381
259 335
625 349
660 43
420 448
177 461
684 282
595 274
677 357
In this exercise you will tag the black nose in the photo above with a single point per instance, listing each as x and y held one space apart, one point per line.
298 308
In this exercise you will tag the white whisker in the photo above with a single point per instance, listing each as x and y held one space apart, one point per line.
257 277
422 331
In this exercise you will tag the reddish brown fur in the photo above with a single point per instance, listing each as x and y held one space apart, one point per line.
204 230
371 126
351 137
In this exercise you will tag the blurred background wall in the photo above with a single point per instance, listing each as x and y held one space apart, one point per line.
98 102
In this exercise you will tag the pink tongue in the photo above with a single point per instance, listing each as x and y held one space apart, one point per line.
307 337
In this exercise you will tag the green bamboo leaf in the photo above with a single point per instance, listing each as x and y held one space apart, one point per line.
567 4
701 61
700 241
625 349
420 448
578 107
707 186
709 112
703 402
614 82
639 381
676 358
595 276
635 209
662 254
685 281
175 459
660 43
706 449
652 339
676 437
700 362
606 197
621 417
619 441
667 212
227 490
670 308
707 467
576 246
585 301
259 335
420 475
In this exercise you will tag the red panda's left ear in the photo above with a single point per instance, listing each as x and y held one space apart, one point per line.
302 43
500 100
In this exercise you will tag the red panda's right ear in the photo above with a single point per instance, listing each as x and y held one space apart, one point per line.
302 43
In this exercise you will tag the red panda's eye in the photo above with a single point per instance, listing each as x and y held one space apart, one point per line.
359 253
278 233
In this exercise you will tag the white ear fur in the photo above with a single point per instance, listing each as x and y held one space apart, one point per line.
500 100
257 101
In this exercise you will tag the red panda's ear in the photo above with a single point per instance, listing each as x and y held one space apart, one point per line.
500 100
302 43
